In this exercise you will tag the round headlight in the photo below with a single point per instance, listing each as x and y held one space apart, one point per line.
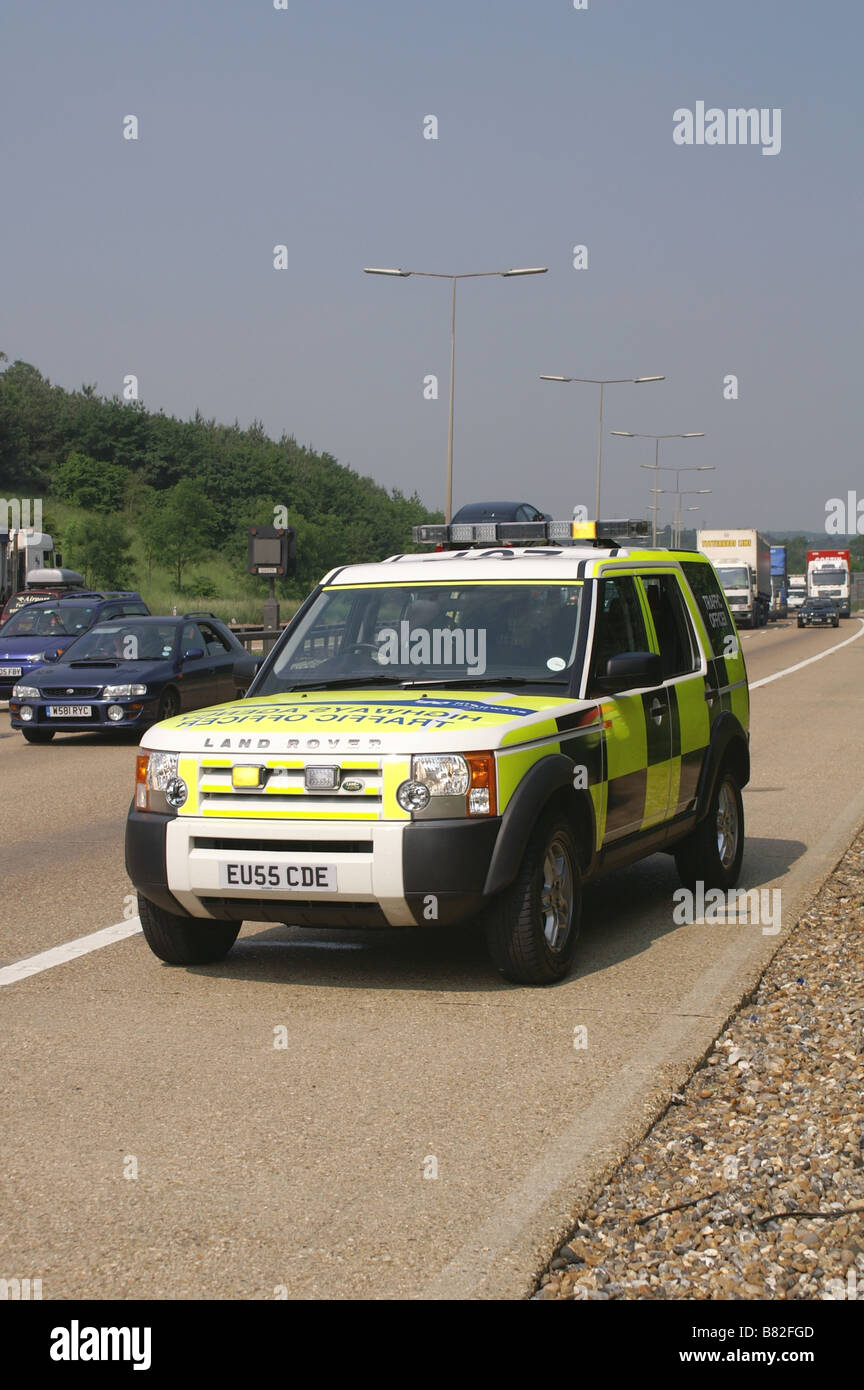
176 792
25 713
413 796
115 712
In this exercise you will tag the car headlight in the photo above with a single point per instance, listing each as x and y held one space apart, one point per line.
445 774
121 692
469 775
34 656
25 692
157 785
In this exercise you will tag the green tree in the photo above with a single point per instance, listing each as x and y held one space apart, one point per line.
90 483
184 526
98 546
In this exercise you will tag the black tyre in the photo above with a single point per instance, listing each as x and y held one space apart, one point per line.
712 854
169 705
38 735
185 940
533 925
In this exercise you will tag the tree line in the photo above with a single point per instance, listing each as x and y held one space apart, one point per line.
189 488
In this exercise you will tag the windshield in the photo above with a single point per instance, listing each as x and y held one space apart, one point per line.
46 620
829 577
124 641
734 576
425 633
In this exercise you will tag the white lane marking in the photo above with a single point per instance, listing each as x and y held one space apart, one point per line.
766 680
81 946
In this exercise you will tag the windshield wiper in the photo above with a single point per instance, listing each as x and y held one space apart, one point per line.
342 683
94 661
480 682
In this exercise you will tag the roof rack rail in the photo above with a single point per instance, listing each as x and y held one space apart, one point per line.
201 613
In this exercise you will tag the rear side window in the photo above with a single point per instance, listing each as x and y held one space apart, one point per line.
678 651
712 605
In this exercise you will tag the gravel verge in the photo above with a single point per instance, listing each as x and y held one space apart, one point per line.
761 1157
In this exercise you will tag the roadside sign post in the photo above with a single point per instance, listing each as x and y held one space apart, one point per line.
272 556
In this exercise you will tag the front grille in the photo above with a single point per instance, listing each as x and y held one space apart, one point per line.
284 791
284 846
297 914
69 691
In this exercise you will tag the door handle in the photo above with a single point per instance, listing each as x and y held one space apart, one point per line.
656 710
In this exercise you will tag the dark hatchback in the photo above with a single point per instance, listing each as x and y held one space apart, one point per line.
499 511
130 673
819 612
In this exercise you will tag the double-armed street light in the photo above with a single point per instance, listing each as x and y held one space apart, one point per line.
665 468
608 381
469 275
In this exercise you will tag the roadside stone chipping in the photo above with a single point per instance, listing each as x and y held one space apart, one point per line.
761 1158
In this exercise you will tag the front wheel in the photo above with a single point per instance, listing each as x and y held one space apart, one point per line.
712 853
533 925
185 940
169 705
38 735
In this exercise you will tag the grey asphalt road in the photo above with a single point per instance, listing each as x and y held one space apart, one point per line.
301 1170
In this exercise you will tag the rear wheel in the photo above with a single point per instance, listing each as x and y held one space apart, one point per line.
712 853
185 940
533 925
38 735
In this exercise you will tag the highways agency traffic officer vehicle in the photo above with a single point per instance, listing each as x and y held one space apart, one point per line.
457 735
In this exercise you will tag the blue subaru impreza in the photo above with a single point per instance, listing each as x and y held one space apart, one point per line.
132 672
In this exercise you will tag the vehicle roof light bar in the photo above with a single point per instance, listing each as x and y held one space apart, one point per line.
598 533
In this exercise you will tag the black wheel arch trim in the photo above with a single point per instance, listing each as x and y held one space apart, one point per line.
550 775
727 737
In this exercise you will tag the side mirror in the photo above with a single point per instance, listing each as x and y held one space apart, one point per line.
630 670
193 654
245 667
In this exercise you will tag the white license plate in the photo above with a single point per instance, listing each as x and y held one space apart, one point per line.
69 711
10 670
276 878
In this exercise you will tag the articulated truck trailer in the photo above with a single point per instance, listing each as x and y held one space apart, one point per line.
742 560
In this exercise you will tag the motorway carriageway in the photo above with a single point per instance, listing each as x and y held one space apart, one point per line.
302 1168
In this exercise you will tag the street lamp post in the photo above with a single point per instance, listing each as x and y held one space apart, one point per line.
469 275
656 465
688 492
609 381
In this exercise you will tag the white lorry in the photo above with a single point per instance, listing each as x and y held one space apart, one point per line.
742 559
828 576
797 590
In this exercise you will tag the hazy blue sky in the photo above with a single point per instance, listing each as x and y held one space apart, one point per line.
305 127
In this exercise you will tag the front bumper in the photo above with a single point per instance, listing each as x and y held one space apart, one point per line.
136 713
390 873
